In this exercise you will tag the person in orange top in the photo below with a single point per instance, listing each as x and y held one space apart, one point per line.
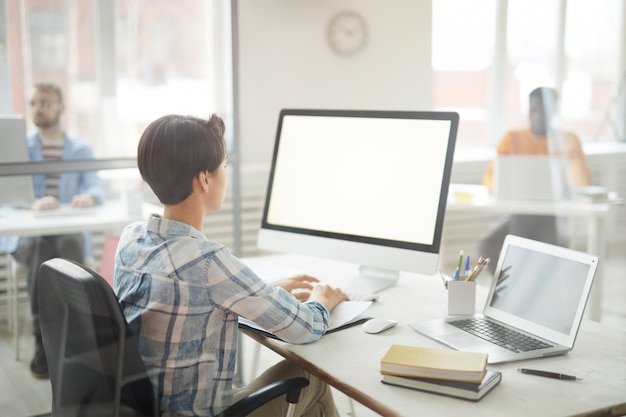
539 139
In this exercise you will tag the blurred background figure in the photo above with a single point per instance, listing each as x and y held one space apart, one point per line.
540 138
78 189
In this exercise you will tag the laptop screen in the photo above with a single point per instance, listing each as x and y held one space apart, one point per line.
529 177
15 190
541 289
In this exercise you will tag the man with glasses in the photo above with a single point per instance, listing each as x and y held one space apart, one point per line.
79 189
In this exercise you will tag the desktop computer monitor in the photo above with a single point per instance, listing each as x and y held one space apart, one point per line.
366 187
14 190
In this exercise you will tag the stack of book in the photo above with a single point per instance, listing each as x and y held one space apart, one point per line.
441 371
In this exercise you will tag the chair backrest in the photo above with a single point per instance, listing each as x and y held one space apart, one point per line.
95 367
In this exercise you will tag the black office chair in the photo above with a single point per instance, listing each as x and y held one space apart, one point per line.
95 367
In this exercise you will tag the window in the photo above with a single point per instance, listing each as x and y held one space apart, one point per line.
169 58
164 55
162 62
571 45
532 47
462 56
592 42
48 40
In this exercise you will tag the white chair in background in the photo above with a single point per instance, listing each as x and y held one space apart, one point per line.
19 274
15 273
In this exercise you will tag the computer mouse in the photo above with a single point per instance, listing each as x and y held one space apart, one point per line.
378 325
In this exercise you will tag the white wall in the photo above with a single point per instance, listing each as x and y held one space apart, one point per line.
285 61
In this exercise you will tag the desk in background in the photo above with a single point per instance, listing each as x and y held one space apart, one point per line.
349 360
110 217
476 198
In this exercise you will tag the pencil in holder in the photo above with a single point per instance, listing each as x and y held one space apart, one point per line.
461 297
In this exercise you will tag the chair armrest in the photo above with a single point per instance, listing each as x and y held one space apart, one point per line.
291 387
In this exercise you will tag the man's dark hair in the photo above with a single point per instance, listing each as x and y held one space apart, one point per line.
174 149
545 93
50 88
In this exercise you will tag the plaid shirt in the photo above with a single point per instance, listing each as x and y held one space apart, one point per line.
182 296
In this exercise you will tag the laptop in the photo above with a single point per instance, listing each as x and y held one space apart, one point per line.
528 178
540 293
14 190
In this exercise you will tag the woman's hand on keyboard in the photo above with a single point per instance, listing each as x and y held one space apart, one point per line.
300 286
328 296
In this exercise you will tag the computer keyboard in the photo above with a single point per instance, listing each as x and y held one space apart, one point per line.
65 210
500 335
361 296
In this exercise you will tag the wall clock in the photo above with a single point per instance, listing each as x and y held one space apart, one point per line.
347 32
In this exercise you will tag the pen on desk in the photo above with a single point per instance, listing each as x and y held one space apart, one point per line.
548 374
485 263
467 267
475 269
479 267
457 274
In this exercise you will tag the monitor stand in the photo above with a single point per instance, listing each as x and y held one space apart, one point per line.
372 280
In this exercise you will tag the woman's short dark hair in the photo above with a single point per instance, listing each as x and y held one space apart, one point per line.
174 149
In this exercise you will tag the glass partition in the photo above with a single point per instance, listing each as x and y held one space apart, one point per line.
120 64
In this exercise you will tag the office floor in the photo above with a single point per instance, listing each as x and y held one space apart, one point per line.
22 395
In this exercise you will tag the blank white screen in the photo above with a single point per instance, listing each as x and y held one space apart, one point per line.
372 177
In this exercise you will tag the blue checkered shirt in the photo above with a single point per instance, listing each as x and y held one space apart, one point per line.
182 295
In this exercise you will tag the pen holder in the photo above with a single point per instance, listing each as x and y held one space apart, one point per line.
461 297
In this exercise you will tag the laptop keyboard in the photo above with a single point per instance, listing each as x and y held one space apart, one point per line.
499 335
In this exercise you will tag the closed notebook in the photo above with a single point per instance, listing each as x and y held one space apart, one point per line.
465 390
435 363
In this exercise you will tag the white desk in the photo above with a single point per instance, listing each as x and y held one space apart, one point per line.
468 197
349 359
110 217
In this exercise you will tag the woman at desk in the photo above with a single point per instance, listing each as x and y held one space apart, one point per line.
541 138
182 294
